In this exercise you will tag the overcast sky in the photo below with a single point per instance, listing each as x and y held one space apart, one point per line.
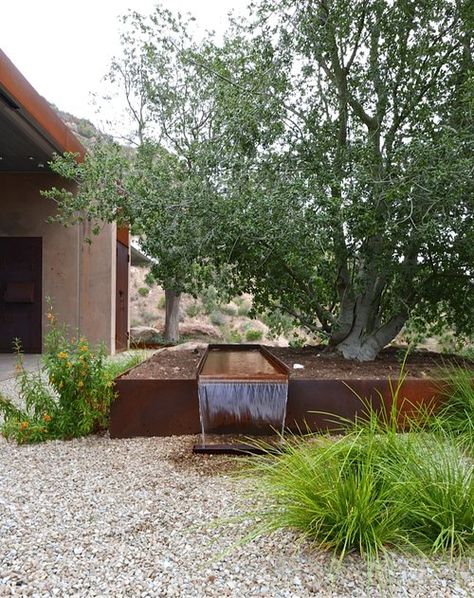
64 48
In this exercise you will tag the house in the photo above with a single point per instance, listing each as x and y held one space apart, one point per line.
87 283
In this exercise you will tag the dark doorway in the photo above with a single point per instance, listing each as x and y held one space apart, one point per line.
20 293
121 306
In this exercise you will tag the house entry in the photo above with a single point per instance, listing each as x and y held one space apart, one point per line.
20 293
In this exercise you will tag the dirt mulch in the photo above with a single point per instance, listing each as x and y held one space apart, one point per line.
168 365
182 365
318 364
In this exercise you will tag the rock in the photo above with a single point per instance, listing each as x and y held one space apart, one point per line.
199 329
191 346
143 334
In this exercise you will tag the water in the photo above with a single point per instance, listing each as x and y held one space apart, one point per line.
242 402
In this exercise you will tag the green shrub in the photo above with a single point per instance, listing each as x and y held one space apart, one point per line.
209 300
244 309
193 309
253 335
162 302
69 397
278 321
297 342
149 279
229 309
217 318
149 317
233 336
143 291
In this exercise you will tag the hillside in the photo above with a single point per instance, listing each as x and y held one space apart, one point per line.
83 129
203 318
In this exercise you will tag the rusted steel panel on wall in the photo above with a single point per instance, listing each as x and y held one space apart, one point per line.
123 236
170 407
321 404
154 408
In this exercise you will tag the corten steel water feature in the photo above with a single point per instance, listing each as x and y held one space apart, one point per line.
156 407
243 389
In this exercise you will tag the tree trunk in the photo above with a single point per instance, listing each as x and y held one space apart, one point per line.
172 300
364 346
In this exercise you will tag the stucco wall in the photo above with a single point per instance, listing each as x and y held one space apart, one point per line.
80 278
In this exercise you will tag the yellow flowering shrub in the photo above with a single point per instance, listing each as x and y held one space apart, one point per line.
75 400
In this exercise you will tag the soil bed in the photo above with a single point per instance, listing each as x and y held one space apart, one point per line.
168 365
182 365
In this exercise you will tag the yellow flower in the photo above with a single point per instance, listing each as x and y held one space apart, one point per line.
50 317
24 425
47 417
69 364
62 355
80 383
83 348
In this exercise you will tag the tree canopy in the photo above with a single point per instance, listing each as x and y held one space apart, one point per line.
322 154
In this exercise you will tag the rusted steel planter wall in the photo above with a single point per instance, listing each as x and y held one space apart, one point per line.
170 407
154 408
317 404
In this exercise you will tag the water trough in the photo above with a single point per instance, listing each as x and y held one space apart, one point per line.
241 388
156 406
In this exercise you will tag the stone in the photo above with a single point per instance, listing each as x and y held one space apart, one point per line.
143 334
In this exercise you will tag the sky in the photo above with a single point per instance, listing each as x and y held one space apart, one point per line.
64 48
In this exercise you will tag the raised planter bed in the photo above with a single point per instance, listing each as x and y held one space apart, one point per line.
160 396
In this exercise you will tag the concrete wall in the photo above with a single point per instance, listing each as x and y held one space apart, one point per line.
80 278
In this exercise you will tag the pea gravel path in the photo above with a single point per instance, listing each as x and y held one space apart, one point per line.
101 517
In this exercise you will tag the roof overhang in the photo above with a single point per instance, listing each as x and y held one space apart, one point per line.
30 130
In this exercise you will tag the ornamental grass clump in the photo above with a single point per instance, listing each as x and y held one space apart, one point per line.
333 492
369 490
69 397
434 479
456 416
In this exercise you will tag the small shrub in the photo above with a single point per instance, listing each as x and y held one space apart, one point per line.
149 317
278 321
217 318
233 336
193 309
162 302
69 397
149 279
297 342
209 300
229 309
253 335
143 291
244 309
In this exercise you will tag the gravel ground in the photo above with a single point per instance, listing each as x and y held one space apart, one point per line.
144 517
